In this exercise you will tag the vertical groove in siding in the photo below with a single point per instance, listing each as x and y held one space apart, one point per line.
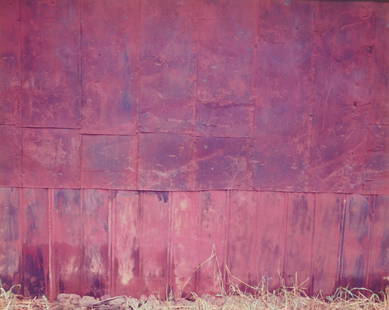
372 208
82 211
341 243
310 289
372 214
51 276
139 219
287 200
170 279
227 261
111 231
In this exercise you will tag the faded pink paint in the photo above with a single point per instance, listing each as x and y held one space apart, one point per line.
163 147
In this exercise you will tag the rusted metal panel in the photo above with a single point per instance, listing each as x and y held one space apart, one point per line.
377 164
126 231
243 247
226 33
379 244
110 34
10 156
271 232
283 83
198 241
96 205
154 242
50 66
10 237
35 244
356 240
132 243
168 65
212 241
299 238
186 257
10 62
278 166
223 163
225 55
345 85
221 121
328 226
51 158
166 162
109 162
67 243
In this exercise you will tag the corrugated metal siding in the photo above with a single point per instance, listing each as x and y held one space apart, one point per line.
148 144
108 241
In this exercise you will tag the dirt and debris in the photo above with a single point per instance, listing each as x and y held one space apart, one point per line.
286 298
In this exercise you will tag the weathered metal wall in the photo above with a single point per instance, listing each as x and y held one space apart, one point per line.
142 138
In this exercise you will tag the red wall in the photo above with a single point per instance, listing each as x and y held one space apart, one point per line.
140 138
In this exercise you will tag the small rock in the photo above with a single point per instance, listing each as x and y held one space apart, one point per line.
114 301
75 300
142 299
87 301
133 302
152 302
68 298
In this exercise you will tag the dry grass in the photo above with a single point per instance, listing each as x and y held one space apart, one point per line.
285 298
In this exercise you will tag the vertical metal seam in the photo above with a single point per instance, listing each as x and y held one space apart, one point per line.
197 274
284 263
51 276
311 286
170 255
82 212
139 215
22 236
258 199
227 258
340 270
111 204
371 230
256 236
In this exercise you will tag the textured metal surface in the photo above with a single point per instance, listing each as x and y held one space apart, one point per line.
156 142
129 242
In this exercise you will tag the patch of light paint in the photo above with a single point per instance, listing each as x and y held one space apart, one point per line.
96 265
183 204
125 273
71 267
